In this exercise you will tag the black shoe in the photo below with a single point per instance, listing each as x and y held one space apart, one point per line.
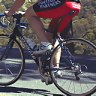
47 80
58 74
42 48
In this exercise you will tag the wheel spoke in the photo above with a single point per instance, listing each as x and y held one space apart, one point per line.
77 67
12 62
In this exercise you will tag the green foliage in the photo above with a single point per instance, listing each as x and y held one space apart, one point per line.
84 24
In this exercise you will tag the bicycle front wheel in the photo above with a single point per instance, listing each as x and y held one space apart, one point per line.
11 60
77 67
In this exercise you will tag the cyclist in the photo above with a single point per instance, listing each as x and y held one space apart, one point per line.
47 9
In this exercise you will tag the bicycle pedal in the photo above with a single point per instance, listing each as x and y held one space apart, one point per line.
47 80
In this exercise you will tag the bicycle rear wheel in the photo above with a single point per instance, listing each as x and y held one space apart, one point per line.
11 60
77 68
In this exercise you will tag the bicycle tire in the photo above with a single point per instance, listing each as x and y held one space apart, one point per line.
78 84
11 62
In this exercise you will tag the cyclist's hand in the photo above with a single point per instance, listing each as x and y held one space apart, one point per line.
7 14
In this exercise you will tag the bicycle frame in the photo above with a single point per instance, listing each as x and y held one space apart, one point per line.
47 59
17 33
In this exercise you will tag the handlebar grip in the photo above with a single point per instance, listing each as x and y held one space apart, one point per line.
1 23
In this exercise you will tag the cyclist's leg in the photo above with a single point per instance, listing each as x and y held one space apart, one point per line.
57 55
43 10
64 24
66 33
66 19
53 25
66 8
34 21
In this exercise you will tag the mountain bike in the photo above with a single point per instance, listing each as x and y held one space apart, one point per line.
77 64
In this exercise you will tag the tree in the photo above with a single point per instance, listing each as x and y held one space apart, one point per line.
84 24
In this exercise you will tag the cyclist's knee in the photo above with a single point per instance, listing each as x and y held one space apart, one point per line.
30 12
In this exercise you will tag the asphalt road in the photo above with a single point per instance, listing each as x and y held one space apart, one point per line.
30 84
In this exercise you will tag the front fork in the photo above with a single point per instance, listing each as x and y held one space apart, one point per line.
7 49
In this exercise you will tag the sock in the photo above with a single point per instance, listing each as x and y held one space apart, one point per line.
48 45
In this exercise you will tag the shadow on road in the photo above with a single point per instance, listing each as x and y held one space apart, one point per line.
27 90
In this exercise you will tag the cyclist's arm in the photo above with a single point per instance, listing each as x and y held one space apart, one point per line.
17 4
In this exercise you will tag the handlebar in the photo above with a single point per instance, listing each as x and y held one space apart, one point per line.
2 24
16 16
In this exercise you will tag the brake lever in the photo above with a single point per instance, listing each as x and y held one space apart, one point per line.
4 22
